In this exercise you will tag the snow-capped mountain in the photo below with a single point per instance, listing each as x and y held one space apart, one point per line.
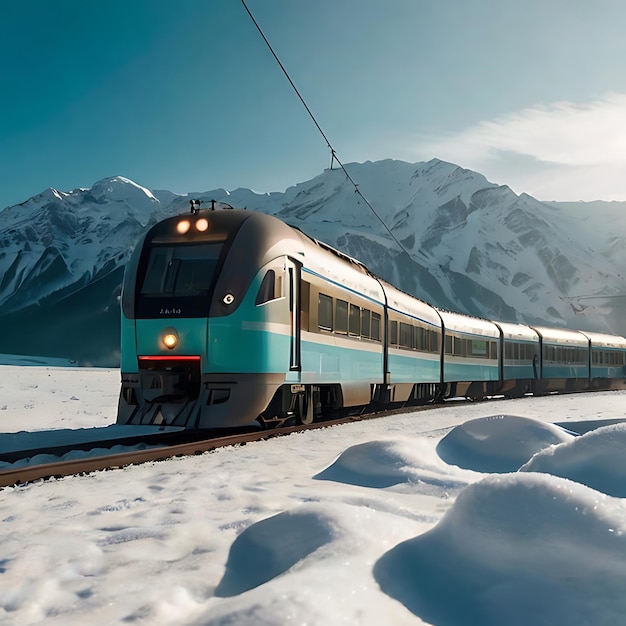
57 242
465 244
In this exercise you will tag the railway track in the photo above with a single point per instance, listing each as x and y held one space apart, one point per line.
20 471
172 444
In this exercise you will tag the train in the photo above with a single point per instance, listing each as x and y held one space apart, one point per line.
232 318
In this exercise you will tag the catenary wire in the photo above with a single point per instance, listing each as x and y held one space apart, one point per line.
333 153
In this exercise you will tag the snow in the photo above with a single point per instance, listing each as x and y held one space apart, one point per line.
595 460
121 189
501 443
385 521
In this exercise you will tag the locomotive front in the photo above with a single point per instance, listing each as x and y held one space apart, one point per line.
205 329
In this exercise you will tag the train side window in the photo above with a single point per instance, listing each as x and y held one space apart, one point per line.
354 321
393 328
418 337
341 316
435 341
430 340
375 330
425 339
458 349
365 323
406 335
267 288
448 344
325 312
305 304
477 348
493 350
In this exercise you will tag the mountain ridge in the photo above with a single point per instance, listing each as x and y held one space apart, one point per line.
468 245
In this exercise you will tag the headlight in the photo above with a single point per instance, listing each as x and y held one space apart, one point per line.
170 339
183 226
202 224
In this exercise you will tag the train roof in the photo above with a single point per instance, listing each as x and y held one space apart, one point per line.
402 302
465 323
517 332
605 341
325 261
282 238
562 336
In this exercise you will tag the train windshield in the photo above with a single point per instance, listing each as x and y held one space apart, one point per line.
181 270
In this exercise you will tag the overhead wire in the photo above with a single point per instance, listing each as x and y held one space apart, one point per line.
333 153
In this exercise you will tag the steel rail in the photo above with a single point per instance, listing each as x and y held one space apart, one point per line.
29 473
13 476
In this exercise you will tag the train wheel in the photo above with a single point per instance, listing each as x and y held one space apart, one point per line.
305 407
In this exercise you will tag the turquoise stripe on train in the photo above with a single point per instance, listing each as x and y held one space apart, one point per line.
414 368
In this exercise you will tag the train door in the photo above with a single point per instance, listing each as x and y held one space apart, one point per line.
293 271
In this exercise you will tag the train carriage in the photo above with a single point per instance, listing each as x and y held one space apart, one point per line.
194 332
414 348
607 360
519 358
564 360
343 310
470 356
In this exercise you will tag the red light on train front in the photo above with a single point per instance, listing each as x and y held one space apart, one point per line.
183 226
202 224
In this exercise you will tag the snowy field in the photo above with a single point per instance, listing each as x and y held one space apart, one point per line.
419 518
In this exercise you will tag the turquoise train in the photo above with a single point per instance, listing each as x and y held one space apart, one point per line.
232 318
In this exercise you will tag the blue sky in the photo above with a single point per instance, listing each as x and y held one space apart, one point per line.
185 96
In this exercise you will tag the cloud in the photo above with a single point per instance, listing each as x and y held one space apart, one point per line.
563 133
567 150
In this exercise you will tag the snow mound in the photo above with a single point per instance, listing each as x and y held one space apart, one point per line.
375 464
381 464
597 459
516 549
499 443
272 546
